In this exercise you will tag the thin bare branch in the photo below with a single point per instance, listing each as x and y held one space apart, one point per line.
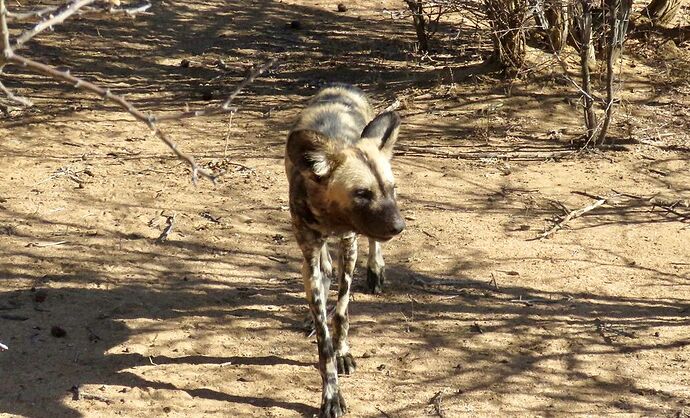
33 13
226 106
4 34
397 104
119 100
131 11
572 215
51 21
668 206
170 223
12 97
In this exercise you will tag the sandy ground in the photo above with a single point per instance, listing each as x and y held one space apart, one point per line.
478 318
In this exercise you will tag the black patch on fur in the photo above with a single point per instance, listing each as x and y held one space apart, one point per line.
382 127
375 281
382 185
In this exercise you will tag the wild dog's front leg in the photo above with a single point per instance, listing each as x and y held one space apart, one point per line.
376 268
326 269
341 319
326 276
332 402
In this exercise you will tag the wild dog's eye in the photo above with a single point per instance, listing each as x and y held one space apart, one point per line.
364 194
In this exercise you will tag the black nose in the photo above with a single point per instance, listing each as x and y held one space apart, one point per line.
398 226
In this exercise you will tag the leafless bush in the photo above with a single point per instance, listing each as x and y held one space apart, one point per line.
51 16
507 19
616 15
557 14
426 15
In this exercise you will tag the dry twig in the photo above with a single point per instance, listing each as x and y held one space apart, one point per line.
78 394
397 104
384 413
666 205
436 402
570 216
168 229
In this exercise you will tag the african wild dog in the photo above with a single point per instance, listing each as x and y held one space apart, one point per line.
341 185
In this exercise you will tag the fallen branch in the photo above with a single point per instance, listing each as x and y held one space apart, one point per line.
45 244
393 106
436 402
384 413
666 205
131 11
78 394
168 229
570 216
514 156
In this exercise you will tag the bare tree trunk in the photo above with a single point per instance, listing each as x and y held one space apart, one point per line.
618 16
585 21
417 9
557 17
662 12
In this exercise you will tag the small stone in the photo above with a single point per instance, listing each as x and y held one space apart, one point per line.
185 63
40 296
58 332
342 7
296 24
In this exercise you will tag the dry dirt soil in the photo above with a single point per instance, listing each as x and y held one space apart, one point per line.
478 317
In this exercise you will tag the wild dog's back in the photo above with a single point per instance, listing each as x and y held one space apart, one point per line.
339 112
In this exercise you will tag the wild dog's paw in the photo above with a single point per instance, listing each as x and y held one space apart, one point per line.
346 363
333 407
375 280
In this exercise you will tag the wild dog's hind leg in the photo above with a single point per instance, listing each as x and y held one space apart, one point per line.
376 267
341 318
332 402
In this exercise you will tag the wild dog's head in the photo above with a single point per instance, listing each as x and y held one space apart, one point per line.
356 183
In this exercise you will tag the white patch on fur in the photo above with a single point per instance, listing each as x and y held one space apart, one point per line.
331 369
375 261
343 349
341 307
386 172
381 160
321 164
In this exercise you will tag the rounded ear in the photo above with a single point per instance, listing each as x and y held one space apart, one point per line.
310 151
384 131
